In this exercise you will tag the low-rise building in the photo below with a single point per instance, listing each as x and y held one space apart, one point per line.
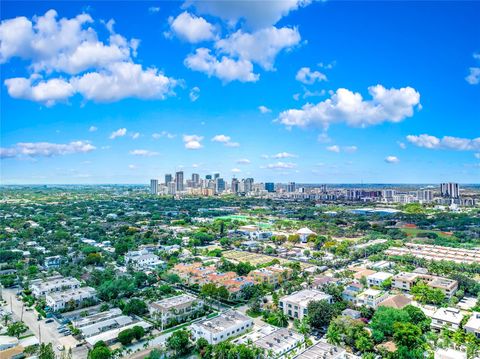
377 279
295 305
405 281
449 318
279 342
398 301
41 287
273 275
143 259
70 299
371 298
175 308
473 324
324 351
222 327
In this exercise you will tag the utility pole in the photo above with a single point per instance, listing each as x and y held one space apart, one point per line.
21 315
39 334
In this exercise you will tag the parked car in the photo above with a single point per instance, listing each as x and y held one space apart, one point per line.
50 320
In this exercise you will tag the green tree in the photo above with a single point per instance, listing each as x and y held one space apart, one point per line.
16 329
135 306
407 335
320 313
126 337
179 342
46 351
138 332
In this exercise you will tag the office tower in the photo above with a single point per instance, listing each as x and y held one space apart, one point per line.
168 179
195 179
248 185
449 190
219 185
153 186
270 187
291 187
234 187
171 187
208 177
425 195
216 176
179 181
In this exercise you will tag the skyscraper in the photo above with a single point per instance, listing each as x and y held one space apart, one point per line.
219 185
216 175
179 181
168 179
195 179
248 185
234 187
153 186
449 190
291 187
270 187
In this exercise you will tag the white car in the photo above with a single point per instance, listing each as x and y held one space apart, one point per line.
60 347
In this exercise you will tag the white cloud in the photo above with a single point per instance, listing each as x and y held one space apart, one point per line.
47 92
99 71
226 140
236 170
281 165
350 149
124 80
306 76
333 148
132 167
402 145
284 155
473 77
264 109
143 153
46 149
226 69
194 94
192 28
136 135
243 161
324 138
477 155
92 129
153 9
66 45
446 142
192 142
387 105
261 46
392 159
256 14
118 133
166 134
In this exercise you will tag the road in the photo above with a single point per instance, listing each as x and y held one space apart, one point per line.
45 332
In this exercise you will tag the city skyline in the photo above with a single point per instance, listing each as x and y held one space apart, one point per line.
130 93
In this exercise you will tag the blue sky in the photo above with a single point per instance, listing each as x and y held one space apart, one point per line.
321 92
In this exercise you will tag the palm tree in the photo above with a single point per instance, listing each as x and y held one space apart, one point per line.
303 326
280 319
7 317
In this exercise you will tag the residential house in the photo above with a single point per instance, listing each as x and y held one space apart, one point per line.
295 305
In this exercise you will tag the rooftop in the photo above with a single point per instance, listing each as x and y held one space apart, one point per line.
305 296
322 350
223 321
173 302
279 340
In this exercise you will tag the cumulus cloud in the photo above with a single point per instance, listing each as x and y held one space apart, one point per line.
192 28
473 77
136 135
284 155
98 71
260 47
226 140
194 94
243 161
192 142
226 69
118 133
143 153
158 135
386 105
236 170
333 148
281 165
392 159
308 77
92 129
46 149
254 14
264 109
446 142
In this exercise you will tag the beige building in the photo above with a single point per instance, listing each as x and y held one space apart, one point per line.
175 308
405 281
273 275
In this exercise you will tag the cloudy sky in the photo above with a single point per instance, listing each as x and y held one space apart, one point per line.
299 90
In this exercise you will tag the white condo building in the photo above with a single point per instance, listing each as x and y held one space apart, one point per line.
222 327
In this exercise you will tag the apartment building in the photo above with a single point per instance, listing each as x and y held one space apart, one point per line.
473 324
175 308
324 351
272 275
405 281
295 305
449 318
437 253
377 279
228 324
41 287
280 342
71 298
371 298
143 260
